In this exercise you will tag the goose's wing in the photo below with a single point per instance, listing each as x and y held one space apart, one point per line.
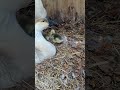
40 11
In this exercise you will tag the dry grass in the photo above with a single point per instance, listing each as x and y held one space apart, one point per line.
102 65
66 70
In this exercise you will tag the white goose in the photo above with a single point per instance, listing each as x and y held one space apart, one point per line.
16 47
43 48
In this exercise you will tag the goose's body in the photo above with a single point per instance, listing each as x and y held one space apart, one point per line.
16 47
40 11
43 48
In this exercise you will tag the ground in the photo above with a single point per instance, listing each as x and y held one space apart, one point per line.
103 54
66 70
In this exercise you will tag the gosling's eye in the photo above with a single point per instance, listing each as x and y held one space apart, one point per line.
43 21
